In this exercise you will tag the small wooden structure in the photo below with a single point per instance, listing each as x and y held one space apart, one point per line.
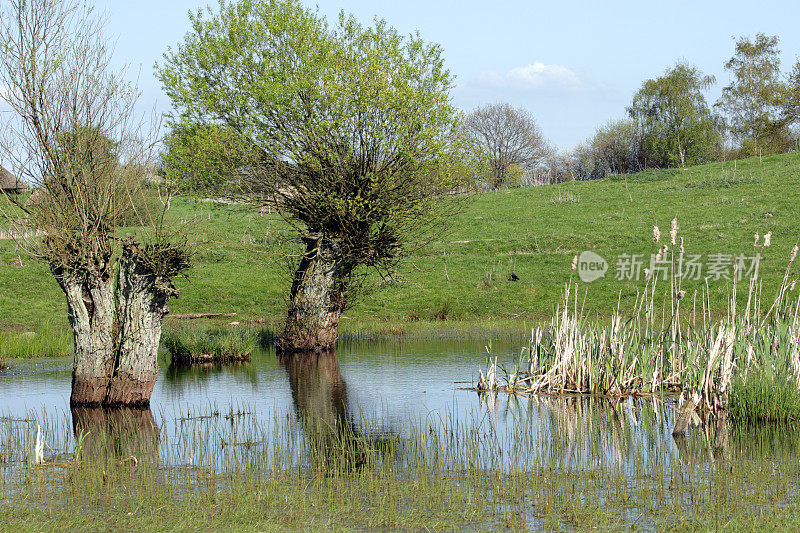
9 183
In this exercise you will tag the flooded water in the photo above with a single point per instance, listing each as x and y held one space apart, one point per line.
396 381
387 387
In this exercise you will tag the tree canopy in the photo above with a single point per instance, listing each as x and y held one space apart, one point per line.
507 138
791 105
753 99
675 121
354 124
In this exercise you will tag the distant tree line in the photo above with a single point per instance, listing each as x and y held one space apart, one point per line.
669 123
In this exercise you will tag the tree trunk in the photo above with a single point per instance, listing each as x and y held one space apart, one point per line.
143 298
90 306
316 300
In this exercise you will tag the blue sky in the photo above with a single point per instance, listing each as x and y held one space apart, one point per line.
573 64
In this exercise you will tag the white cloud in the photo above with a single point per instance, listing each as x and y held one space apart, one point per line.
535 76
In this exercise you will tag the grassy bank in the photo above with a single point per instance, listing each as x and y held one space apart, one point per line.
42 340
242 261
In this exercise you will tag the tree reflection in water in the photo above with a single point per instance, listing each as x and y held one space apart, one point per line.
336 440
116 434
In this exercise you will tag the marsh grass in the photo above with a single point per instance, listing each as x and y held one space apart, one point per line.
670 344
193 344
558 463
45 340
764 396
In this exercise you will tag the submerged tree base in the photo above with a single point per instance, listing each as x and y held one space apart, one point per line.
88 392
128 390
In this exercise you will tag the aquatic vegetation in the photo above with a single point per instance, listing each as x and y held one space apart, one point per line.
753 354
221 344
764 396
559 463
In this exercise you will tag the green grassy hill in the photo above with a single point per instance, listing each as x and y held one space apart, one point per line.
242 257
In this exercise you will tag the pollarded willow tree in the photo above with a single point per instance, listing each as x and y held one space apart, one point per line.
358 137
75 137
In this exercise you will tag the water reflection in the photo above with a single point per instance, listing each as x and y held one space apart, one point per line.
332 432
304 407
318 389
119 434
178 374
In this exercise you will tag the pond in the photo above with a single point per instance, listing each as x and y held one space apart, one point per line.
390 385
397 381
416 393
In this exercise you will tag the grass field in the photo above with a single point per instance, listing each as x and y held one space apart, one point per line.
460 280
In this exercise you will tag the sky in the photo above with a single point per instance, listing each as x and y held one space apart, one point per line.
574 65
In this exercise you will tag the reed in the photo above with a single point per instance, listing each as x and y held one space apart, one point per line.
664 346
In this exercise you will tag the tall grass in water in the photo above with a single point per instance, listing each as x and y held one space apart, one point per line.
764 396
679 349
218 344
558 463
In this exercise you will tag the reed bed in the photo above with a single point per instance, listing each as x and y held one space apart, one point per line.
670 345
555 463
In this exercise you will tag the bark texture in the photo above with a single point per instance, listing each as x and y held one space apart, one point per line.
117 328
142 304
92 315
317 299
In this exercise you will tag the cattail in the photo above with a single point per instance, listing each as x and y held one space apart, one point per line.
791 287
794 254
767 239
681 246
647 272
38 447
756 240
680 295
673 232
656 234
574 262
